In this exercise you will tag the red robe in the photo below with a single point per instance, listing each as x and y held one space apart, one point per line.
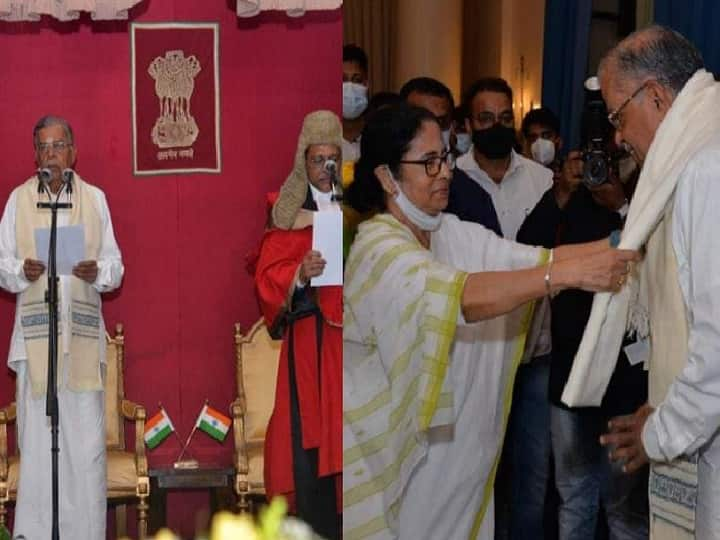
320 407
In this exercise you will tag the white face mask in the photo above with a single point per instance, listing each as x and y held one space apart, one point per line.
463 142
422 220
446 138
543 151
355 100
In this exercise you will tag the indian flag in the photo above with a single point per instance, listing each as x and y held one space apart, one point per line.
213 422
158 428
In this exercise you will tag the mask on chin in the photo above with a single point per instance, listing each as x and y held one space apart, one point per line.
422 220
495 142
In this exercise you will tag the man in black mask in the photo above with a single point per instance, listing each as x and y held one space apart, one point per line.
514 183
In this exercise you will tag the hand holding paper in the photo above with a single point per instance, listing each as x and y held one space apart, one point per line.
312 266
33 269
86 270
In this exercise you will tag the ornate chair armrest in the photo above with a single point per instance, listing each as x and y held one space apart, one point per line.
7 416
130 410
237 411
133 411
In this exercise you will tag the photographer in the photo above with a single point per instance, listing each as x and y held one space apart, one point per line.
587 206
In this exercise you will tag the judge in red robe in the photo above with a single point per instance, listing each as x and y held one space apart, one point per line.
303 449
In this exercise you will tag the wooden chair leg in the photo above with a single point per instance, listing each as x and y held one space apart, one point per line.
243 505
143 492
142 517
4 498
121 520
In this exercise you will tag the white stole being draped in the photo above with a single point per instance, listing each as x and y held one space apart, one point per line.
691 121
83 373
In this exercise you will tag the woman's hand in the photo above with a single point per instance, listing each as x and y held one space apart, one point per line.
605 270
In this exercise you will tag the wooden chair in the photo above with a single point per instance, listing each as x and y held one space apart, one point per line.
257 356
127 471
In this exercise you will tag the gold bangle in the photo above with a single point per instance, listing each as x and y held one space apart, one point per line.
548 275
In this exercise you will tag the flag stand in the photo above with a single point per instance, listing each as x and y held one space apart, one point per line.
186 463
211 422
191 463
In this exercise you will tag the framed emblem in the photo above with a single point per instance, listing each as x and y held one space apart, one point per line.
175 98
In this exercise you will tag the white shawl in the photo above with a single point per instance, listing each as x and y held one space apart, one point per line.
693 118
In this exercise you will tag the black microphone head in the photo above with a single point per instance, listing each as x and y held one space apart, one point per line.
330 166
68 175
43 176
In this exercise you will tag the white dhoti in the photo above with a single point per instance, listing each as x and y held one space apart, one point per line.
81 464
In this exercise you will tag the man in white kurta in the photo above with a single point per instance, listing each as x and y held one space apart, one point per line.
666 108
687 417
82 469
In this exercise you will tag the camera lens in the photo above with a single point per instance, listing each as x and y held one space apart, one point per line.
595 170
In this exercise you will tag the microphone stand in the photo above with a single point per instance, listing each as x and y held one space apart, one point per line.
51 298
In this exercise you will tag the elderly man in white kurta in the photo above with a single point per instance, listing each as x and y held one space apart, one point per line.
666 108
81 349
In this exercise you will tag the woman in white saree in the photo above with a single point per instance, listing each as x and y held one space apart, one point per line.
426 388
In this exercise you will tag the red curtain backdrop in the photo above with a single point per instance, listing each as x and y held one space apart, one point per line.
184 239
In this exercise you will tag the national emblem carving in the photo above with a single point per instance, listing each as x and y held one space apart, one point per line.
174 76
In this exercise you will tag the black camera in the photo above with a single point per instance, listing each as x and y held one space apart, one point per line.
596 137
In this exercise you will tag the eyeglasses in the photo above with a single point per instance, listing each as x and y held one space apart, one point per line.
433 165
487 118
57 146
319 161
614 116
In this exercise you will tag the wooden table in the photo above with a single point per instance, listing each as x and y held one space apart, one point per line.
217 480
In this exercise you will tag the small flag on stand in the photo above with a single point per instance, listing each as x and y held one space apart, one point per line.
158 428
213 422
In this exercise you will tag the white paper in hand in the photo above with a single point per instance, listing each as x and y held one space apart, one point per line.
70 247
327 239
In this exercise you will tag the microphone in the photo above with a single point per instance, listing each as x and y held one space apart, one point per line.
43 176
68 175
331 167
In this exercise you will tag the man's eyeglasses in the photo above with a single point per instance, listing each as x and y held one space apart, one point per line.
434 164
614 116
57 146
319 161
